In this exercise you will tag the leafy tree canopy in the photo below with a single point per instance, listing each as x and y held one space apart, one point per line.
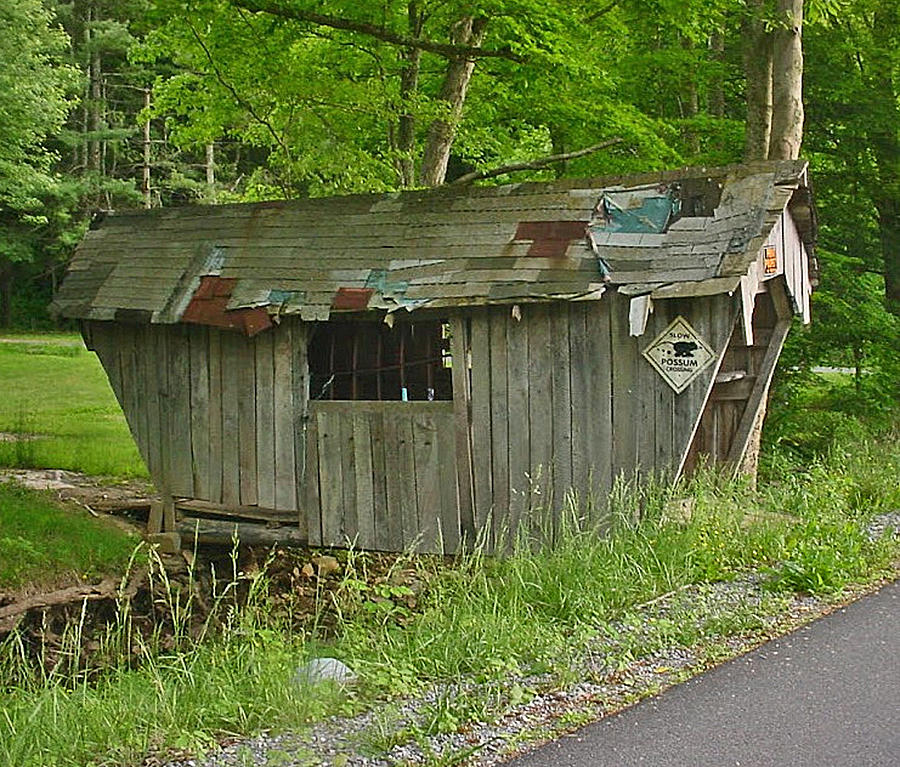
35 97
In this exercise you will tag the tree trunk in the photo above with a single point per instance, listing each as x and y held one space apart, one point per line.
787 94
409 87
94 76
717 86
758 75
442 131
406 125
211 171
888 209
6 291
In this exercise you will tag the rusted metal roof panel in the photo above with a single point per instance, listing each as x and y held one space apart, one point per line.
441 247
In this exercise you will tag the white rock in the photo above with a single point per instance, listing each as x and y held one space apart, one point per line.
324 670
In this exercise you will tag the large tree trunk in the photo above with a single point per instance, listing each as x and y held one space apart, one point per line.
406 125
758 75
442 131
787 94
409 86
774 65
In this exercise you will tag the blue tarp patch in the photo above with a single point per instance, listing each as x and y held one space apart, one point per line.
281 296
638 210
378 280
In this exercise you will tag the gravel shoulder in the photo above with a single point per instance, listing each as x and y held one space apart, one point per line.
484 724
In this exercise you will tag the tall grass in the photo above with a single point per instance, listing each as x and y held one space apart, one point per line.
532 610
525 611
167 691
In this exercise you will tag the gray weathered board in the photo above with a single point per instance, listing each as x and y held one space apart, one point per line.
551 402
214 414
383 475
562 402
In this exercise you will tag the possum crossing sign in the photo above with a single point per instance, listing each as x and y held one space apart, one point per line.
679 354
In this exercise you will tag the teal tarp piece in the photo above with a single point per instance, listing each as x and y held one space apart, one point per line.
379 281
646 211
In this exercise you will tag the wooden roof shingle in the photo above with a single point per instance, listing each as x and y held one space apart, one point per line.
436 248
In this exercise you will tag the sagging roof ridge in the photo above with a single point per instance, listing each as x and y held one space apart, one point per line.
385 251
787 171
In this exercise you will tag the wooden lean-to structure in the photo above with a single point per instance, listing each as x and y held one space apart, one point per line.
422 368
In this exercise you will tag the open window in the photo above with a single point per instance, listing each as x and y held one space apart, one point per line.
359 360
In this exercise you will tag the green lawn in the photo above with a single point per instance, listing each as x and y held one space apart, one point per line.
43 544
55 389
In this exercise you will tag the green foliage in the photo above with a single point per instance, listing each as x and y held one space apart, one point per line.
35 90
853 135
833 498
34 100
323 104
41 543
155 697
523 612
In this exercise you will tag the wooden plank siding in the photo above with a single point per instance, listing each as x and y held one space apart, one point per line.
573 404
177 411
384 473
217 417
551 403
200 412
231 446
460 350
548 399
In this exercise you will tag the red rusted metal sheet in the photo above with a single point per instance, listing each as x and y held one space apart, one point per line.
352 298
550 239
209 306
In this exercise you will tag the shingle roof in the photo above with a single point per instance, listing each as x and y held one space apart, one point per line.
436 248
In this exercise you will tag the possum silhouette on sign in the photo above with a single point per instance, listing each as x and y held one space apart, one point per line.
684 348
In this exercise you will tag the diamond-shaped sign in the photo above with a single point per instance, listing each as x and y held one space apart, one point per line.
679 354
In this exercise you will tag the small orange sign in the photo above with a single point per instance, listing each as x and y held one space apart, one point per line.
770 261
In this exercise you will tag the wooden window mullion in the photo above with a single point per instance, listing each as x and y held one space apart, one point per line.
331 371
354 385
402 359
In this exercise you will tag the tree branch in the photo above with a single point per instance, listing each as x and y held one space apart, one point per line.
379 32
235 95
541 162
602 12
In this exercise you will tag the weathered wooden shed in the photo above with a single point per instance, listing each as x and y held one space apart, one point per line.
423 367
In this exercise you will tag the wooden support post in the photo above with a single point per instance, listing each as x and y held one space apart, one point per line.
459 351
169 521
757 401
155 520
162 528
162 516
748 430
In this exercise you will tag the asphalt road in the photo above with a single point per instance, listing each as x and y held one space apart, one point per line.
827 695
